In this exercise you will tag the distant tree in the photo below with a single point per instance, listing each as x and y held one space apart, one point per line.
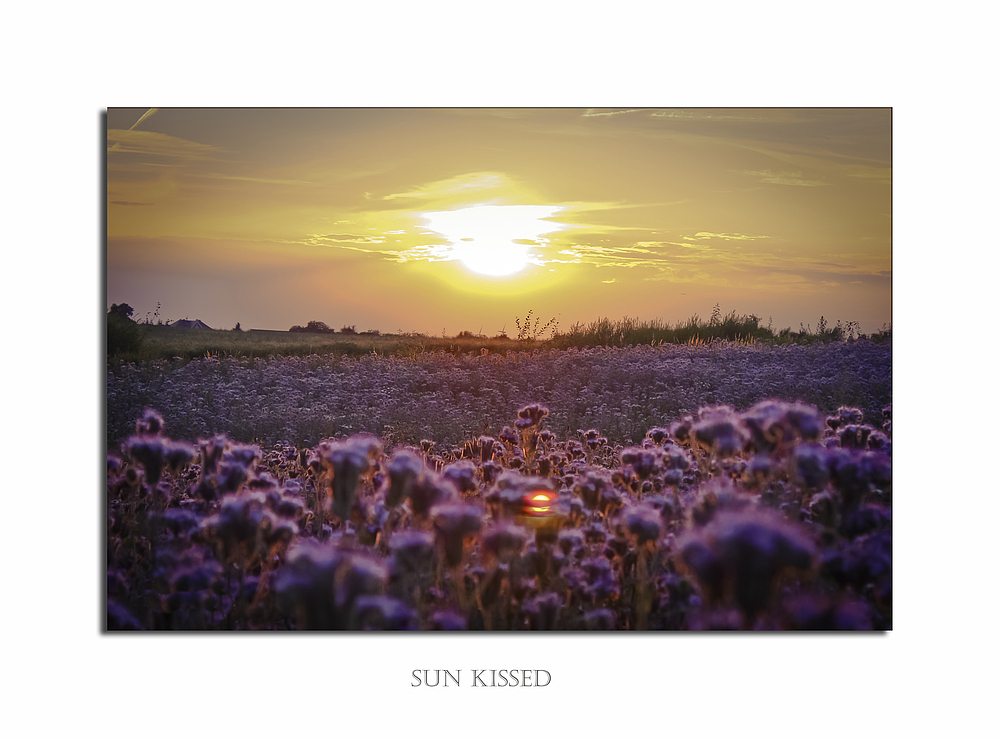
125 336
313 326
123 310
349 330
237 327
466 334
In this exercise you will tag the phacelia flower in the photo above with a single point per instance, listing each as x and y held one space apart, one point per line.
719 430
463 475
150 424
644 523
404 468
452 525
810 463
378 612
744 553
543 611
345 462
505 541
600 619
447 620
412 552
533 414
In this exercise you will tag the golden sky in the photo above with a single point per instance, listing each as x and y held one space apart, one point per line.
443 220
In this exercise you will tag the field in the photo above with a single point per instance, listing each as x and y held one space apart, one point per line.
669 486
132 342
166 342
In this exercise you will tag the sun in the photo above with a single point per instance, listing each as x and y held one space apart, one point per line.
494 239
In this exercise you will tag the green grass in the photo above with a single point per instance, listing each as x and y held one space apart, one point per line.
165 342
131 342
632 331
731 327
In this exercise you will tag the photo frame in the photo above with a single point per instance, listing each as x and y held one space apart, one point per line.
676 473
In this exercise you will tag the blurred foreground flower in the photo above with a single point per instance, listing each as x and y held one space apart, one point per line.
739 556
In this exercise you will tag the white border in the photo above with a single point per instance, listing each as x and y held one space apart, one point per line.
66 677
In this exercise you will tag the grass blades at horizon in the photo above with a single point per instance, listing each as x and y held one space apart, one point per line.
136 342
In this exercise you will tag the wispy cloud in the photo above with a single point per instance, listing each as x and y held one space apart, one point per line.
159 144
143 117
881 174
262 180
342 238
786 178
654 255
728 116
422 252
462 184
709 259
705 235
600 112
147 114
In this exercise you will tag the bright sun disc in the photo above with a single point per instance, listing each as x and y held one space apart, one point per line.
494 239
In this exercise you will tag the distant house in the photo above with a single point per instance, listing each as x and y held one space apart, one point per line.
189 324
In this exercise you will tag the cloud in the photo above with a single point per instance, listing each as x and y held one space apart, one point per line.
462 184
705 235
145 115
598 112
708 258
785 178
729 116
879 174
654 255
214 175
338 239
423 252
159 144
810 276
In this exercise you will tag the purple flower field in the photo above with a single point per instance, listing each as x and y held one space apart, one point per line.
622 392
659 488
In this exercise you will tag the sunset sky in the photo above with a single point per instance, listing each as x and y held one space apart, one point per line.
443 220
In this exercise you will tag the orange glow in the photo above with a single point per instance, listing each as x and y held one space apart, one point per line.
494 239
537 504
273 217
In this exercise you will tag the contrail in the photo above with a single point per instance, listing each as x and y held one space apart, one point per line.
144 116
141 119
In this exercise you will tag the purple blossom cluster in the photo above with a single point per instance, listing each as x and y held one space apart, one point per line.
620 391
777 517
